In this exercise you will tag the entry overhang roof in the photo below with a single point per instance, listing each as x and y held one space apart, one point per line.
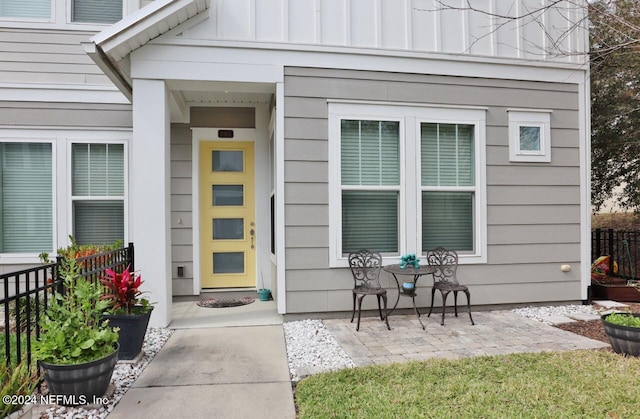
110 49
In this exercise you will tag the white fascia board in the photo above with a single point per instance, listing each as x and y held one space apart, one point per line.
20 92
151 19
158 12
203 71
143 18
97 55
163 51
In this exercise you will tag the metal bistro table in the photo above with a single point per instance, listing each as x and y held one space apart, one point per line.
416 273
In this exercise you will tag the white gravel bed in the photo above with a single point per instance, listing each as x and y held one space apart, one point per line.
311 349
540 313
123 377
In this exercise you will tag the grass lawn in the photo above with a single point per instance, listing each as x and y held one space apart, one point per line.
543 385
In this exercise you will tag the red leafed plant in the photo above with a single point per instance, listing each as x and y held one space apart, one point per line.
123 292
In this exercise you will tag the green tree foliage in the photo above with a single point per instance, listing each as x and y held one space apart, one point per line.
615 104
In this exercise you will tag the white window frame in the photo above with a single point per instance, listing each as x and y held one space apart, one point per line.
20 258
61 18
410 116
72 199
539 118
48 20
70 21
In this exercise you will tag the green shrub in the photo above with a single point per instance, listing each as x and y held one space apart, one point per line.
72 329
623 319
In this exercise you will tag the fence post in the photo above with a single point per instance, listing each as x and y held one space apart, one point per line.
131 258
611 252
598 245
59 283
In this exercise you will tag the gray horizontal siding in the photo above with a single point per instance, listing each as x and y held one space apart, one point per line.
181 208
82 115
533 195
533 234
507 274
533 209
47 56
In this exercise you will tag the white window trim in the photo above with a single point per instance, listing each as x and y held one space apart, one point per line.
61 18
410 117
529 118
61 155
28 258
71 198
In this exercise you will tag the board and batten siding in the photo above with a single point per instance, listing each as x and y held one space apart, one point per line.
48 57
438 26
533 212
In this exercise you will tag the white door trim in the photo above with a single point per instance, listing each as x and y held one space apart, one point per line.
198 135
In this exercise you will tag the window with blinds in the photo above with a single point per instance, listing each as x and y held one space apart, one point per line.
97 187
448 185
370 176
27 197
29 9
405 179
96 11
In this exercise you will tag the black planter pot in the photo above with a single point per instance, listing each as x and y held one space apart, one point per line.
133 327
624 339
79 383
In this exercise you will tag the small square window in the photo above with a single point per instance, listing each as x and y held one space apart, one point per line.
530 139
529 136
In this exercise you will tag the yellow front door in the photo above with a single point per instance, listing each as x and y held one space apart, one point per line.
227 214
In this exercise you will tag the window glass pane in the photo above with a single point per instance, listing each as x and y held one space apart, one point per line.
228 228
228 263
370 220
96 11
529 138
227 195
370 152
38 9
447 220
227 161
97 169
98 222
447 154
27 199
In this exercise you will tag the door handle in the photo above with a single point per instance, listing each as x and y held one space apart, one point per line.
252 233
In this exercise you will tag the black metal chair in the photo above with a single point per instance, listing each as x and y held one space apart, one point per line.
365 266
445 280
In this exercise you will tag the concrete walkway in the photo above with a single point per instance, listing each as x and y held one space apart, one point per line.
220 372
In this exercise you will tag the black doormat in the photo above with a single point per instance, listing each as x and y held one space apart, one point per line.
225 302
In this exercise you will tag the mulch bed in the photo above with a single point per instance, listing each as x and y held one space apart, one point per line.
593 329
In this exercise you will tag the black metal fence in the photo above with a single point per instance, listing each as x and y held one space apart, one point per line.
26 294
622 246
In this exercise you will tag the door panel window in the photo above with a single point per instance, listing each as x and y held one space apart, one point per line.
228 229
227 195
227 161
228 263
